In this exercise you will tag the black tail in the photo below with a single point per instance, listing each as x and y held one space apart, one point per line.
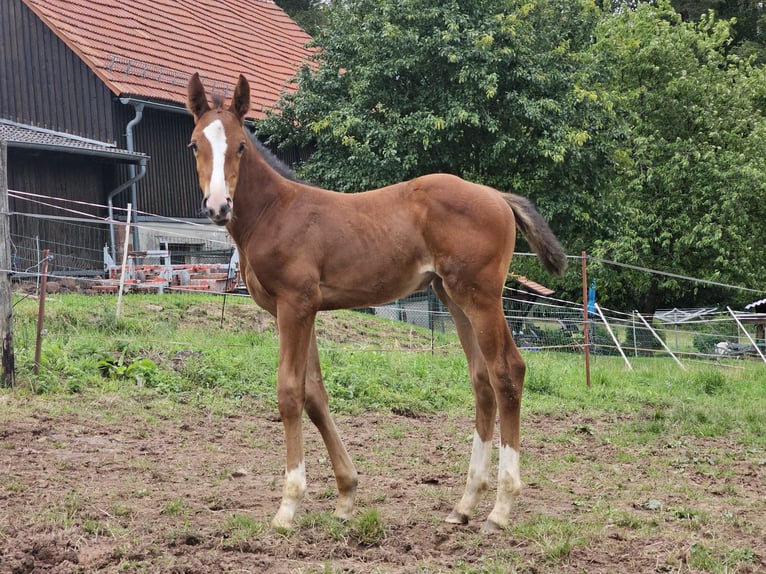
538 234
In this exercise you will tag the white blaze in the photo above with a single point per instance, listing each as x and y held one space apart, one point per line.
217 192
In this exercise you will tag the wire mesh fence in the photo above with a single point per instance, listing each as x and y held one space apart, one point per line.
537 320
557 325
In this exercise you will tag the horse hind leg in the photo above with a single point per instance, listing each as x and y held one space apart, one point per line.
506 373
318 409
477 480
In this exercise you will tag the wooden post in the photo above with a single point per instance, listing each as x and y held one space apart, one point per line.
586 327
123 273
41 309
6 303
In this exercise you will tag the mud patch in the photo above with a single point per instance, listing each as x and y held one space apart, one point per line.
167 488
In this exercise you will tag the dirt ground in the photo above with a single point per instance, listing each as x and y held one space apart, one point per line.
158 487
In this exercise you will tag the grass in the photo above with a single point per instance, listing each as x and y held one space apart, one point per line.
175 348
239 530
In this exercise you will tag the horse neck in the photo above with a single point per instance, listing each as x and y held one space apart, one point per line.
259 189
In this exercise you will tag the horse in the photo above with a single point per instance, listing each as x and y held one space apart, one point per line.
304 249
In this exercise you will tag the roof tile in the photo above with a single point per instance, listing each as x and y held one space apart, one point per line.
150 48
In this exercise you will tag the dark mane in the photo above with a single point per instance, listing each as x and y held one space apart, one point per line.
277 164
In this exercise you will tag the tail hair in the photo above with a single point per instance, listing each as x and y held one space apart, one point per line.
538 234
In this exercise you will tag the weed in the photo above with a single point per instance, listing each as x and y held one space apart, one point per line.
122 510
539 382
626 520
710 382
368 529
689 516
174 507
13 484
700 558
66 511
94 526
555 537
239 530
328 523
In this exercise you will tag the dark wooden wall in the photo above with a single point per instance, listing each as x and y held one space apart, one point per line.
74 241
171 187
44 83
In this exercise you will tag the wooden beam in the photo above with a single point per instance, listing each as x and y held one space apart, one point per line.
6 303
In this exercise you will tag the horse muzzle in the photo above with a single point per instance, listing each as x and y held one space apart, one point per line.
217 210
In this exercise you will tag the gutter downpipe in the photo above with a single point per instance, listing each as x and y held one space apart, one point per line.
132 178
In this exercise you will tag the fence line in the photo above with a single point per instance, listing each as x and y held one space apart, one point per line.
539 323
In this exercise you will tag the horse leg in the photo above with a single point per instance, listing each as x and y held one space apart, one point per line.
294 336
318 409
506 373
484 396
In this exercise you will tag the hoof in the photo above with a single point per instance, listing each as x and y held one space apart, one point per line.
491 527
344 509
281 524
343 516
456 517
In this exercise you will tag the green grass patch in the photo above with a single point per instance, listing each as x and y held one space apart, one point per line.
240 530
189 349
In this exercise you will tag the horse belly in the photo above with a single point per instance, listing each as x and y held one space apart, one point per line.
383 286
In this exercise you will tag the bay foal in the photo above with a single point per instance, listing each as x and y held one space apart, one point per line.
304 249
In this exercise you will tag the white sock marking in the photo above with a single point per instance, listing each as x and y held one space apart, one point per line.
478 474
508 485
292 494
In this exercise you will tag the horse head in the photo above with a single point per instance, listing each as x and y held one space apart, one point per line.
218 143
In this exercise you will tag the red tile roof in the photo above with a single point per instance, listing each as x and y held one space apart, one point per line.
150 48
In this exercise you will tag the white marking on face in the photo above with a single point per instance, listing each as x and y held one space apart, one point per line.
216 135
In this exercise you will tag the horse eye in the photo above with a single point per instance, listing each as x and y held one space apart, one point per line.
241 149
193 146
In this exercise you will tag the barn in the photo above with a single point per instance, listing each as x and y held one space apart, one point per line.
92 106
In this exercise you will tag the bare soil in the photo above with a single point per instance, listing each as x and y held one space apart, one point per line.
123 485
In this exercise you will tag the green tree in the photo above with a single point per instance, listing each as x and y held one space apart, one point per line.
497 91
309 14
748 18
692 198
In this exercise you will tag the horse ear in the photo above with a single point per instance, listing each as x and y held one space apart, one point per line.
197 99
240 103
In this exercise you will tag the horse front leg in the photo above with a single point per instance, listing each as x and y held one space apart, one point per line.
318 409
294 336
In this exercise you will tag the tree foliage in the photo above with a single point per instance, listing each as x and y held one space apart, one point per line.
691 201
309 14
748 22
497 91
